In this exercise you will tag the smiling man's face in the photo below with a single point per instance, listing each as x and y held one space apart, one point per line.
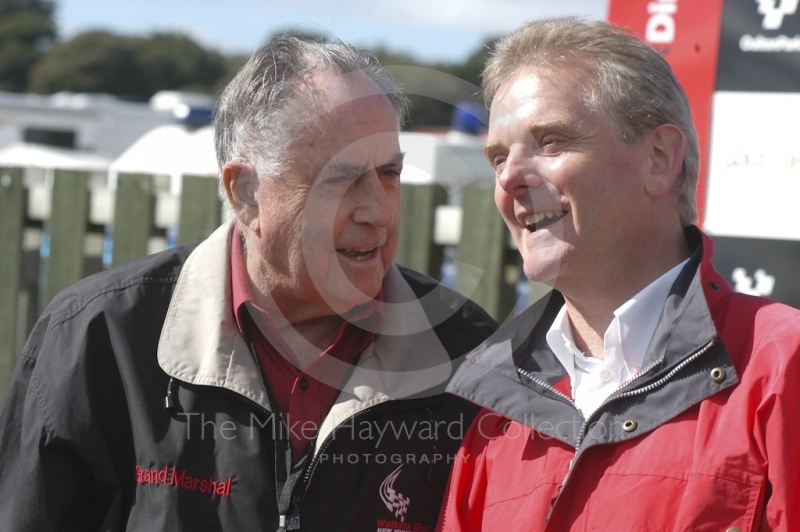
329 225
568 188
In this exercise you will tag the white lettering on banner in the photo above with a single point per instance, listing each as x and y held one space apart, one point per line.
754 180
764 284
660 27
774 10
759 43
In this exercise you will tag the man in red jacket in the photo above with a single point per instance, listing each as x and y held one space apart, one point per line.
642 393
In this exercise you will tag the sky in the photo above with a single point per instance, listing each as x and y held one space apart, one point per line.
446 31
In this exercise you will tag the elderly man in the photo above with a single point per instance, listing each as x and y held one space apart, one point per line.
282 375
642 394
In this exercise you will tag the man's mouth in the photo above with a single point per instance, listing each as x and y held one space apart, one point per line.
540 220
357 253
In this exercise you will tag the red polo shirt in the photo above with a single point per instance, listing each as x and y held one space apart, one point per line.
303 400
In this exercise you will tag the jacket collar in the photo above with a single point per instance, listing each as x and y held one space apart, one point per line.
200 345
685 326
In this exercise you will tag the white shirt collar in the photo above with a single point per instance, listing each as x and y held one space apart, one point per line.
562 342
625 343
638 318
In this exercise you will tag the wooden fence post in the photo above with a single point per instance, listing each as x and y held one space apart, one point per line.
416 248
12 217
484 249
200 208
133 217
68 219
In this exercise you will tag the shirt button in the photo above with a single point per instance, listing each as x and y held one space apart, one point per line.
303 384
606 376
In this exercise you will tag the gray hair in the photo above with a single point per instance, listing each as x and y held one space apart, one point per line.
258 112
623 77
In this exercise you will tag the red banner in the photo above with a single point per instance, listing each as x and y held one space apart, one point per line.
687 33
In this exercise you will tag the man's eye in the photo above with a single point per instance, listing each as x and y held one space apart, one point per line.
391 171
551 144
498 160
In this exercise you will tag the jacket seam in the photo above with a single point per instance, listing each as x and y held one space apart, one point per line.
688 475
113 288
40 403
525 495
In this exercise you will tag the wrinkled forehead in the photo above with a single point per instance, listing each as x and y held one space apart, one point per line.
347 116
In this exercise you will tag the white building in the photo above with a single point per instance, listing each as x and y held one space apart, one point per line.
96 123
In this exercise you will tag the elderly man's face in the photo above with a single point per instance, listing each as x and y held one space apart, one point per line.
568 189
329 225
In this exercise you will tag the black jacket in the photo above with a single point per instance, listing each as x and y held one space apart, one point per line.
137 406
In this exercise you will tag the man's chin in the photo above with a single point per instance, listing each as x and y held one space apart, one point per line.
541 273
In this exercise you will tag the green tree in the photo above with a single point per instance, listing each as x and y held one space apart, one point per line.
472 68
42 7
170 61
432 97
26 31
233 63
96 61
100 61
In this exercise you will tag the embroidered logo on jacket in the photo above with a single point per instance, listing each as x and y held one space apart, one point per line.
394 500
177 477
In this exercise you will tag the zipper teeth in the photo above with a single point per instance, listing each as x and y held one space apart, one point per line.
325 444
669 375
645 389
545 385
641 374
328 439
629 393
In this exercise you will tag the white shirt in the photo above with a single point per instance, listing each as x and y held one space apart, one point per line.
624 344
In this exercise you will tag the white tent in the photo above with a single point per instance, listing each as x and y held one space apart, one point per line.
49 158
454 160
170 150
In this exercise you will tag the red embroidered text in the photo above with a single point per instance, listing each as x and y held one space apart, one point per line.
177 477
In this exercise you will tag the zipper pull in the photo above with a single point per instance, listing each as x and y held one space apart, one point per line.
169 403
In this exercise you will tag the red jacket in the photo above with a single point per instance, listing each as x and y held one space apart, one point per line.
707 438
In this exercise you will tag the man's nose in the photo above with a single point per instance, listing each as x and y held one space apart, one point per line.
518 173
375 202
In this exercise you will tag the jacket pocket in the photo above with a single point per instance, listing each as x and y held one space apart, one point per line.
697 500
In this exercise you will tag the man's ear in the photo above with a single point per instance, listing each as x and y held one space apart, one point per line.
240 180
667 147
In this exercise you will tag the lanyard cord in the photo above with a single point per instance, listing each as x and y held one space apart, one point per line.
286 473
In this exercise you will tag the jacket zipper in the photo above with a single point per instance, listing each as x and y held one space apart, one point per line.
328 439
613 397
282 519
543 384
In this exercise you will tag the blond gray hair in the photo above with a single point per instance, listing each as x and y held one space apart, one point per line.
622 76
258 113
